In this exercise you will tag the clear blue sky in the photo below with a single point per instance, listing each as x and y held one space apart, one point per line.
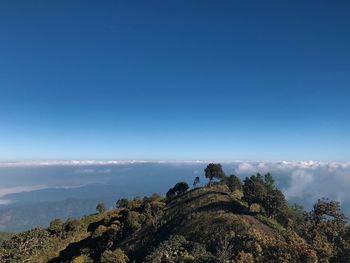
175 80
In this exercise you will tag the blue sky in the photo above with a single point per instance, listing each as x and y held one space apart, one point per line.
175 80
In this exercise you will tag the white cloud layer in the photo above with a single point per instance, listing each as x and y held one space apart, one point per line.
20 189
67 163
302 182
305 181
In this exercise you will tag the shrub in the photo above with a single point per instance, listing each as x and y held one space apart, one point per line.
178 189
133 221
101 207
118 256
122 203
71 225
99 231
82 259
55 227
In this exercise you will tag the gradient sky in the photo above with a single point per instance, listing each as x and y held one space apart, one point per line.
175 80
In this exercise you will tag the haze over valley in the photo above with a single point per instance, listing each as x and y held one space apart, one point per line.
73 188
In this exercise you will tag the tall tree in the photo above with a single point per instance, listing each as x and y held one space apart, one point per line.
233 182
101 208
269 181
261 190
214 170
274 202
326 226
254 190
196 181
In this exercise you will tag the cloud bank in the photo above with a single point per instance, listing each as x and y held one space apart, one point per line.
302 182
305 181
18 189
67 163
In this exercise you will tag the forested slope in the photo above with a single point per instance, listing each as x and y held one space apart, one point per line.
225 221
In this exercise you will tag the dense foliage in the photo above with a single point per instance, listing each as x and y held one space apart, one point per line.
226 221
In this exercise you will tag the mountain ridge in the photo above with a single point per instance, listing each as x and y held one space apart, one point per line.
225 221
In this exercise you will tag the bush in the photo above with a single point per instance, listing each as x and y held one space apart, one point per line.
122 203
168 250
178 189
55 227
23 246
99 231
133 221
118 256
71 225
82 259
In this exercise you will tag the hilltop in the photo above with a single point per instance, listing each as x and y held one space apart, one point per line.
225 221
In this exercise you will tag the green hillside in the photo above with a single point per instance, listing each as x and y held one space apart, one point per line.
225 221
4 236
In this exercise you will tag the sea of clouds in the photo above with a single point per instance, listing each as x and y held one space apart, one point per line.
302 182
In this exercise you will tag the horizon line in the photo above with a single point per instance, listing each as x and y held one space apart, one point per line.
87 162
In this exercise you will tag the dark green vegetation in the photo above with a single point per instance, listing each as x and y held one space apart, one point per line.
4 236
226 221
